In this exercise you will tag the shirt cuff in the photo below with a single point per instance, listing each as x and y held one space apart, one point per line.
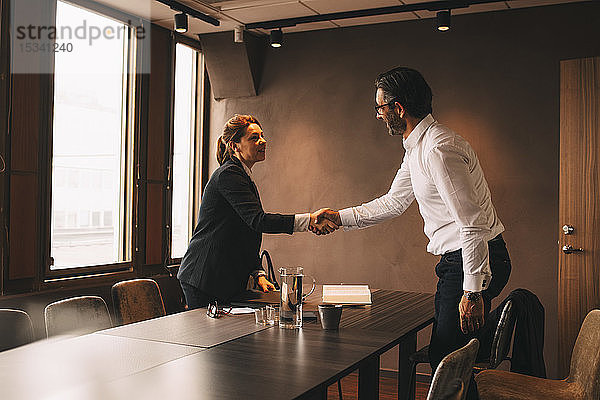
476 283
348 219
301 222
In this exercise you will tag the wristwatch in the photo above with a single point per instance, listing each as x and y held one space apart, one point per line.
472 296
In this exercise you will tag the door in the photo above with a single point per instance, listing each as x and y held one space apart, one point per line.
579 200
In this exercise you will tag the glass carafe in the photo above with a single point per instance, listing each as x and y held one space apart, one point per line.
290 307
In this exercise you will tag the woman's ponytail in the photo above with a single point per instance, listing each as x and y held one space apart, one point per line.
222 153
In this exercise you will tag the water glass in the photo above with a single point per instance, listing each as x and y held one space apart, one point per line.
272 315
260 314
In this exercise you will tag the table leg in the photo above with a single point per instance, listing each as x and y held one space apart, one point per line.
407 346
368 378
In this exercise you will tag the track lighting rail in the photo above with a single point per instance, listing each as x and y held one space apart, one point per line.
428 6
175 5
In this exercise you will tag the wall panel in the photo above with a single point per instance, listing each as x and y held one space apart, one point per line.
25 122
159 103
154 224
23 230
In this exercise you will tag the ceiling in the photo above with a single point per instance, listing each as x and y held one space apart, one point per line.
232 13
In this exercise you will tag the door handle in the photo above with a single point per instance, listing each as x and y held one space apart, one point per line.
568 249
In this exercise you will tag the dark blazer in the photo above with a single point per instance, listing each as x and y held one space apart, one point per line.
226 242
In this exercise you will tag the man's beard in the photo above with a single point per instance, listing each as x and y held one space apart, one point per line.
396 125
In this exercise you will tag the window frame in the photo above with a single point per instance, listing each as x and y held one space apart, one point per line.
131 101
198 164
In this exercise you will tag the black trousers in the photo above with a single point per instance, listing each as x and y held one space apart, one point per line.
447 335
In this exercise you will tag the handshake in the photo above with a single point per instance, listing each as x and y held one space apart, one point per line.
324 221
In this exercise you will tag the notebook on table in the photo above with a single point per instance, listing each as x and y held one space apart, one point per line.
347 294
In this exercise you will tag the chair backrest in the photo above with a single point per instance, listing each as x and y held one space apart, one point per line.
456 365
137 300
16 328
77 315
455 391
503 335
585 360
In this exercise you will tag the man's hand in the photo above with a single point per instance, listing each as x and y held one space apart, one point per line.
324 221
264 284
471 314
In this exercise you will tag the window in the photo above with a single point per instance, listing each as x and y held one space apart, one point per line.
91 143
186 113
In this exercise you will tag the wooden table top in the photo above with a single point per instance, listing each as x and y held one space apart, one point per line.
191 328
271 364
48 367
192 356
410 312
391 311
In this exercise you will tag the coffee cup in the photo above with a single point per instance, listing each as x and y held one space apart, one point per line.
330 315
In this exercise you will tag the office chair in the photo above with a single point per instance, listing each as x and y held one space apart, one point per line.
456 365
583 382
77 315
499 350
137 300
16 328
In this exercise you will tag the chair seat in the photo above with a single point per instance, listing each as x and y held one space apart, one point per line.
504 385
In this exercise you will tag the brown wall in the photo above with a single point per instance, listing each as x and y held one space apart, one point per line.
495 79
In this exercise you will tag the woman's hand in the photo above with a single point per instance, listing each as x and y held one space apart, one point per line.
264 284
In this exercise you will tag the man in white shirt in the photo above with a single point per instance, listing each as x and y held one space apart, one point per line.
441 171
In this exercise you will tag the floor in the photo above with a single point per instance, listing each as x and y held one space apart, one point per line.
388 388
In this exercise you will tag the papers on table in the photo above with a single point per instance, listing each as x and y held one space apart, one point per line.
346 294
241 310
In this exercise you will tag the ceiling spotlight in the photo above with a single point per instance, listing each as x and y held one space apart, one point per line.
181 22
276 38
443 20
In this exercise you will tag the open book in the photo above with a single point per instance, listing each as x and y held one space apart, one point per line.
346 294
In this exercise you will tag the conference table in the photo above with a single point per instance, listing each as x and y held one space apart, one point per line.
192 356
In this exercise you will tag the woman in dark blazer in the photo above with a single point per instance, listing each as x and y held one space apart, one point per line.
225 245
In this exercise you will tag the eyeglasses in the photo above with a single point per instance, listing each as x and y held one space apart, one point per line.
214 312
378 109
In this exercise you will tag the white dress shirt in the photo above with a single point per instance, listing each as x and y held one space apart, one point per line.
441 171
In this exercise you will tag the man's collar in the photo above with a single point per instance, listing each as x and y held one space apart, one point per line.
418 131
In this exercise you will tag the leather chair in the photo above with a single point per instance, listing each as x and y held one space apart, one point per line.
456 365
137 300
583 382
499 349
501 341
455 391
77 316
16 328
